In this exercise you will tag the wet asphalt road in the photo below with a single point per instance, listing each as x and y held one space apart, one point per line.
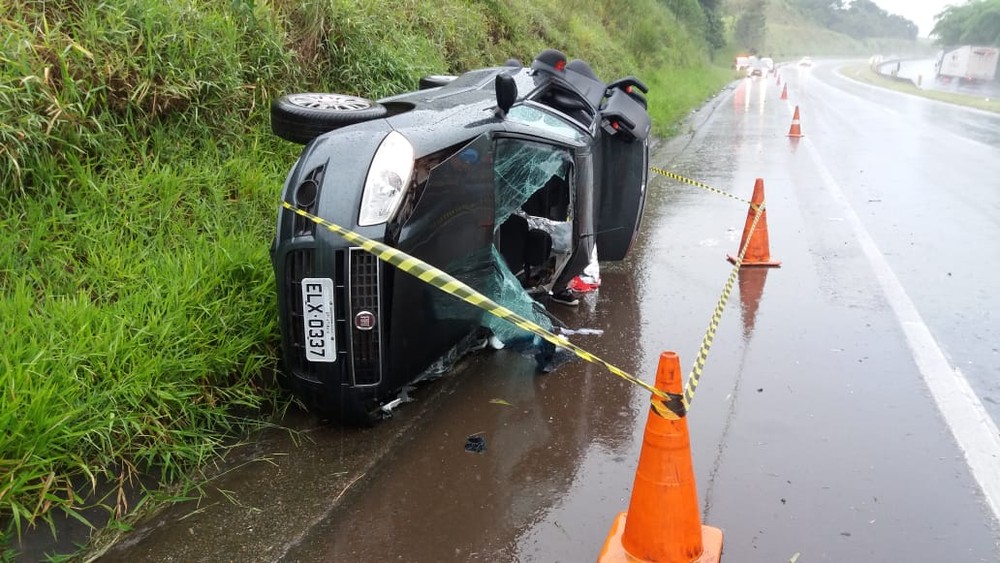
816 428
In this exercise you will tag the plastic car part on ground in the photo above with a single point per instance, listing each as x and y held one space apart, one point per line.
475 443
581 331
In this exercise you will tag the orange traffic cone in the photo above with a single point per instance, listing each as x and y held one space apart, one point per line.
757 253
662 522
784 92
795 130
777 79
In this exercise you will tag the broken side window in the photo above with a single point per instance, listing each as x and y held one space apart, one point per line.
521 169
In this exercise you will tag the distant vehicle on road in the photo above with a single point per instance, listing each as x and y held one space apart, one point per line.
970 63
504 177
768 64
741 63
806 61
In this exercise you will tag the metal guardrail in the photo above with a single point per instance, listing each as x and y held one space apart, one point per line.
894 65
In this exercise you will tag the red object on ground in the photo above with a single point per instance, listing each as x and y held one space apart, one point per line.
584 284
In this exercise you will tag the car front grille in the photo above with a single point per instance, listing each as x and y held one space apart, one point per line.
362 271
366 345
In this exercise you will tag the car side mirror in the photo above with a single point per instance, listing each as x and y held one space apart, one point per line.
506 90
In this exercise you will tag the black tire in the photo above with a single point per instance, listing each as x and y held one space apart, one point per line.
300 118
435 80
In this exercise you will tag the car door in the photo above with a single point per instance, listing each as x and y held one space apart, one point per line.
620 195
451 228
538 212
622 171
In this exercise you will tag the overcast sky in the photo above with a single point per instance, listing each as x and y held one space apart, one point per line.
920 12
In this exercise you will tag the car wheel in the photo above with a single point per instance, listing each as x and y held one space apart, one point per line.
435 80
300 118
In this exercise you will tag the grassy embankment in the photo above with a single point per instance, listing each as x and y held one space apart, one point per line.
138 189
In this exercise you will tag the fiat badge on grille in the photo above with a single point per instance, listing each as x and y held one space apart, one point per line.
365 320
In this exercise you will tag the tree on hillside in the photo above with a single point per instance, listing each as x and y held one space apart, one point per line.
715 31
861 19
700 15
976 23
865 19
823 12
751 24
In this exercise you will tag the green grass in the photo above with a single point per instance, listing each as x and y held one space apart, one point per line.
138 188
138 313
864 73
675 92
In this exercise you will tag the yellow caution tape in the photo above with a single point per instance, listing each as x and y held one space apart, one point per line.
696 184
713 325
667 405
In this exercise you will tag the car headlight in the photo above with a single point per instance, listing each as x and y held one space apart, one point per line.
387 179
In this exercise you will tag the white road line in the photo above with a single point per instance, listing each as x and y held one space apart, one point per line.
973 428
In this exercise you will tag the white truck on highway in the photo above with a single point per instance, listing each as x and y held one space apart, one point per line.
969 62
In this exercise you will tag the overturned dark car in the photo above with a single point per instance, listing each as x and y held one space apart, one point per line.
505 177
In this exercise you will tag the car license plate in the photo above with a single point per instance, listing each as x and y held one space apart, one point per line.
317 320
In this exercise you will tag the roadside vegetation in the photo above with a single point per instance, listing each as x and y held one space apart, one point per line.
791 28
861 29
976 22
138 189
